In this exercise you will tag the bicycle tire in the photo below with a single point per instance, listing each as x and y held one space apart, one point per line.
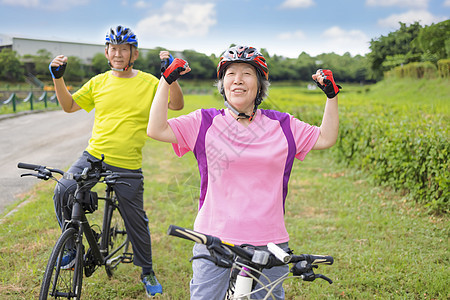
59 283
117 239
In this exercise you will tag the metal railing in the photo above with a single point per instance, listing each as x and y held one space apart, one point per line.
13 100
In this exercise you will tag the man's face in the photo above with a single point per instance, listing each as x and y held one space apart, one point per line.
119 55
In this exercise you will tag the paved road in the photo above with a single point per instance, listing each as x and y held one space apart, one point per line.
51 138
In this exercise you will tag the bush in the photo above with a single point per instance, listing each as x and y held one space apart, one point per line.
408 154
444 68
397 131
415 70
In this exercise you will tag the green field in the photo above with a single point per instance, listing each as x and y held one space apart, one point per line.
385 245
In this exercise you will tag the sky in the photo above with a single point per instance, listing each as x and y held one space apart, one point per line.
282 27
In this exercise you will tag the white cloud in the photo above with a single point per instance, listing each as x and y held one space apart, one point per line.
291 35
422 16
187 19
447 3
142 4
400 3
23 3
61 5
297 3
340 41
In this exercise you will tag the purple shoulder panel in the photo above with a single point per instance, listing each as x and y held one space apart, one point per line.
208 116
285 124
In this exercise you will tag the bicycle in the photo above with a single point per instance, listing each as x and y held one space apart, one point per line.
110 247
247 263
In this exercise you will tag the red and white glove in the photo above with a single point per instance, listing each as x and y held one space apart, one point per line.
172 72
331 89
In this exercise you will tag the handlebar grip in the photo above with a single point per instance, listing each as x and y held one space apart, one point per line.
320 259
130 175
22 165
191 235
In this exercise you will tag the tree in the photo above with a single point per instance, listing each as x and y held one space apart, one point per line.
41 62
395 46
202 66
99 63
432 40
74 71
12 69
304 66
152 63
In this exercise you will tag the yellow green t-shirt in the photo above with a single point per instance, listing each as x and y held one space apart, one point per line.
122 107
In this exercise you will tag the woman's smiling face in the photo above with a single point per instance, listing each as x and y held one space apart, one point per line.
240 84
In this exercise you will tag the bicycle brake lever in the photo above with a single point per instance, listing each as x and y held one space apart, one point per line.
218 261
28 174
324 278
39 176
116 182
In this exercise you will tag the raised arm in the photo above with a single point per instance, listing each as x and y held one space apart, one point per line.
158 128
57 67
176 100
330 122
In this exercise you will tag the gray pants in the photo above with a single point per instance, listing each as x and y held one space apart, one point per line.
210 282
131 202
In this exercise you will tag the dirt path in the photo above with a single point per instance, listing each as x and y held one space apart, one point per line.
51 138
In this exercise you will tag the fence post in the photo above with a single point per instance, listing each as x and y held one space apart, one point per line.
29 98
53 98
44 97
12 98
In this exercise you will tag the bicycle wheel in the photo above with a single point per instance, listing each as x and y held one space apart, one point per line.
60 283
117 239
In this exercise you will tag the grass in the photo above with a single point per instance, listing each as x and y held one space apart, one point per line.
384 246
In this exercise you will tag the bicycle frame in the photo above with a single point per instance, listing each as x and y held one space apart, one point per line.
246 281
99 251
110 206
248 276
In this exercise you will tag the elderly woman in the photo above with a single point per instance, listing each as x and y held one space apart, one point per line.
245 156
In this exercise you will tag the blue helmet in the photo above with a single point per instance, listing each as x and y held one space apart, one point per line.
121 35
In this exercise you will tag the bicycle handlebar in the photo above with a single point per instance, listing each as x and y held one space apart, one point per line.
34 167
214 244
192 235
46 173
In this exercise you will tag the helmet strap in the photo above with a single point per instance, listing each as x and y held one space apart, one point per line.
120 70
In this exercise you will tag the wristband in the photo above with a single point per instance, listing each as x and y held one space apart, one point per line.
57 72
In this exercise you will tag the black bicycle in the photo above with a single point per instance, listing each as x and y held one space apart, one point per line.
108 246
247 263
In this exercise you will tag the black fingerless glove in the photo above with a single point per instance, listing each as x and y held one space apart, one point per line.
331 89
172 73
57 72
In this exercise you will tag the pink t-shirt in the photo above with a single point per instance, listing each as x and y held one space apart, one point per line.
244 171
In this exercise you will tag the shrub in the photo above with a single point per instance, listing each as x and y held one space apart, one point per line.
397 131
409 154
444 68
415 70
